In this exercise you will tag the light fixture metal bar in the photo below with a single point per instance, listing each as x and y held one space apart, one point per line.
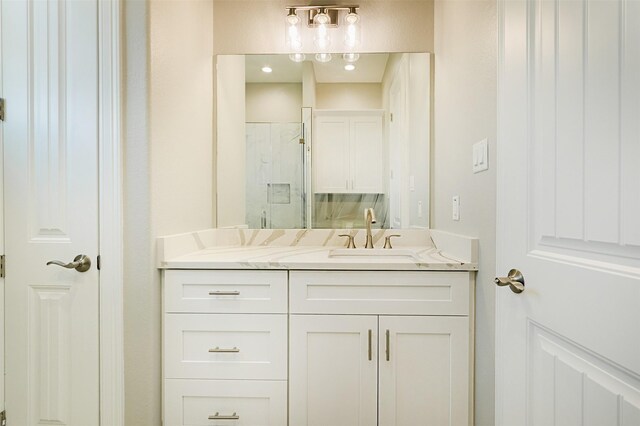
329 7
332 11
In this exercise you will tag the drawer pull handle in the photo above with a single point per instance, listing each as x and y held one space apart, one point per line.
218 349
217 416
224 293
370 344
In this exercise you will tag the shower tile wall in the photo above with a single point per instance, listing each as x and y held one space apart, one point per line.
274 175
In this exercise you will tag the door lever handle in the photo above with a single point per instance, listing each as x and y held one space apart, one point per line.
515 281
81 263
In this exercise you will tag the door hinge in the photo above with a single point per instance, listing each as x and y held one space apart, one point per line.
99 262
3 414
2 270
1 109
391 117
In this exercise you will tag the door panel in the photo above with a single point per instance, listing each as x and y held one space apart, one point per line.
569 146
331 154
367 169
425 379
51 198
332 378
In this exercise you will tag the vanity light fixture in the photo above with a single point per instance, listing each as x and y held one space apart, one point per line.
324 22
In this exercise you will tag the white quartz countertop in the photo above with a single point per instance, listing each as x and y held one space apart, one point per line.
315 250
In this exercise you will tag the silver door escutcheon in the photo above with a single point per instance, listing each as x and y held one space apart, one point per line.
81 263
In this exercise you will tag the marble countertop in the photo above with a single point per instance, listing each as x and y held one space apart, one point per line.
314 250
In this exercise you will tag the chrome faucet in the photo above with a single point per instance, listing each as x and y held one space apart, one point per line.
369 218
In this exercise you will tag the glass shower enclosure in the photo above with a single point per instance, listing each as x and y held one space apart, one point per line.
278 176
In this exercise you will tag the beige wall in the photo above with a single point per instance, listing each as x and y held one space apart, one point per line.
464 113
168 169
308 85
273 102
230 129
349 96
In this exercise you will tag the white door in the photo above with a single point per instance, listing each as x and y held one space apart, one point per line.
568 347
333 370
50 76
2 284
424 371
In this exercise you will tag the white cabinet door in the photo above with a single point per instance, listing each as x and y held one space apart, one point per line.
367 169
331 154
347 152
424 371
333 370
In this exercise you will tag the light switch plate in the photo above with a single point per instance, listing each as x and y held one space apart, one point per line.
480 156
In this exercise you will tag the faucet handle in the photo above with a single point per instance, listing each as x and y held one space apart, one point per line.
350 243
387 240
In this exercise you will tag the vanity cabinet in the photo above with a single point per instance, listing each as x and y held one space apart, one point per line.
348 152
379 366
317 348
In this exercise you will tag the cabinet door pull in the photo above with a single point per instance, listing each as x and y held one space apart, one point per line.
370 342
218 349
388 351
218 416
224 293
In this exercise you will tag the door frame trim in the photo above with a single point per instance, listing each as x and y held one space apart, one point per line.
111 247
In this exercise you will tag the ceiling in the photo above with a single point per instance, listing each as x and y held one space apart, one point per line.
369 69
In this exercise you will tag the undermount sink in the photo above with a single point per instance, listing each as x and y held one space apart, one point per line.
375 252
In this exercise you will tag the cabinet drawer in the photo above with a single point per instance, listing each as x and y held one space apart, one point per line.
225 346
379 292
225 291
199 402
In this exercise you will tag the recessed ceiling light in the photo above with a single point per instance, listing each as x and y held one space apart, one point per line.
266 69
349 67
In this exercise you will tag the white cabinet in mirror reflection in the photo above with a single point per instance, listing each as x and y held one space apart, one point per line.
348 152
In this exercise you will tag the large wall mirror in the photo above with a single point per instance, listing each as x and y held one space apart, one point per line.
311 142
